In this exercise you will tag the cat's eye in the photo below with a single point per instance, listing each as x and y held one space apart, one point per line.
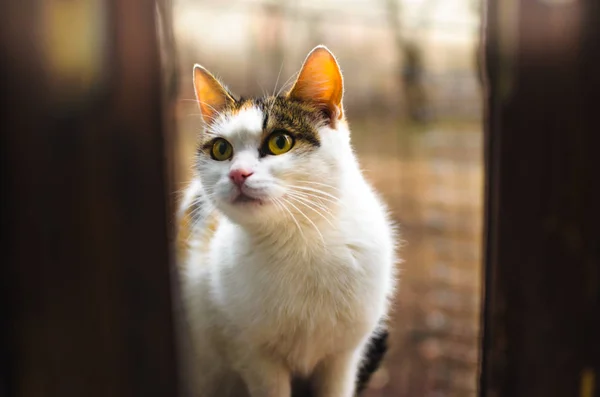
279 143
221 150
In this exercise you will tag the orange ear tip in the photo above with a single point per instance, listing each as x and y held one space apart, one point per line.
212 96
322 47
200 69
321 51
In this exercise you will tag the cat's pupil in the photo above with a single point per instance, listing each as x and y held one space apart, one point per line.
280 142
222 148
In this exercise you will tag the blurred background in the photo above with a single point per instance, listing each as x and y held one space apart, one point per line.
413 99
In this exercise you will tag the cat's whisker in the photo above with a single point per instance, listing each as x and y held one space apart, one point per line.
309 206
320 184
217 113
275 88
197 101
193 216
307 218
276 204
283 87
262 89
278 75
287 82
193 224
209 120
314 190
293 218
188 100
311 199
211 131
211 196
181 191
320 198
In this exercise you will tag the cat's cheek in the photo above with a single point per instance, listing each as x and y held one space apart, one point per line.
278 167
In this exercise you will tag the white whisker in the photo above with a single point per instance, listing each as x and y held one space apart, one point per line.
293 218
316 191
278 75
321 200
307 218
320 184
262 89
287 82
308 197
313 198
306 204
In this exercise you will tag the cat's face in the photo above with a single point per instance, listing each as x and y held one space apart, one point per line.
274 158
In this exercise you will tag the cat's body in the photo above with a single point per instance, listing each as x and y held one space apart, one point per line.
288 267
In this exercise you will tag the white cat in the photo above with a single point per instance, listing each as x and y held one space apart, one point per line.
287 254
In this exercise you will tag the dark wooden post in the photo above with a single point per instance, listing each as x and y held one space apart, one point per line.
86 304
542 315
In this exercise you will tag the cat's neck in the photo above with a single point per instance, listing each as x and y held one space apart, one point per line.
295 230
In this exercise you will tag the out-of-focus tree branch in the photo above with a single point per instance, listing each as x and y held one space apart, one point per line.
410 64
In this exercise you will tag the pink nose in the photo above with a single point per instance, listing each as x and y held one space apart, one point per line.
239 176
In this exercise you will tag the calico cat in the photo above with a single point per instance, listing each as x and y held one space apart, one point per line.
286 253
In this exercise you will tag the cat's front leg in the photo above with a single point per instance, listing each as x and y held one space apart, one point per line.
264 377
336 375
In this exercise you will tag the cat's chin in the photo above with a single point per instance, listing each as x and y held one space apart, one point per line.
244 200
247 210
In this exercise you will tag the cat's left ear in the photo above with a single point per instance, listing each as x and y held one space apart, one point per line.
320 82
211 95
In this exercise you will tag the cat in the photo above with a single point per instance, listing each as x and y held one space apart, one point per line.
286 253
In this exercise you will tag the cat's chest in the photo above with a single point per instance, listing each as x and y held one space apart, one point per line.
303 291
305 276
302 305
307 314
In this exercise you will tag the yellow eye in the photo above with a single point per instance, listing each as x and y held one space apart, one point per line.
221 150
280 143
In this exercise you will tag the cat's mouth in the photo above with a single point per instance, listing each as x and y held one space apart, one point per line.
244 199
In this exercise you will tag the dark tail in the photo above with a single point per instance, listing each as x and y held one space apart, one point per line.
373 359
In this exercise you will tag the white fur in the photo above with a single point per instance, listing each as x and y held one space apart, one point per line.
274 296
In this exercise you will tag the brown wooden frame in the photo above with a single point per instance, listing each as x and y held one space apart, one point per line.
86 297
542 296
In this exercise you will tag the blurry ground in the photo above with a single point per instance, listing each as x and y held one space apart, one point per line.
431 177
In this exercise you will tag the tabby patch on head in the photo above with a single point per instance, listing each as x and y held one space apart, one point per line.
257 154
281 117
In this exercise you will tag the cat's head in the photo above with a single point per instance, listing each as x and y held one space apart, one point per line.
264 160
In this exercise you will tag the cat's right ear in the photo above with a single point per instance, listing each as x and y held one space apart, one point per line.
320 82
212 97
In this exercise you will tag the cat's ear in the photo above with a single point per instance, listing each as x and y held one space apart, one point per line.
211 95
320 82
